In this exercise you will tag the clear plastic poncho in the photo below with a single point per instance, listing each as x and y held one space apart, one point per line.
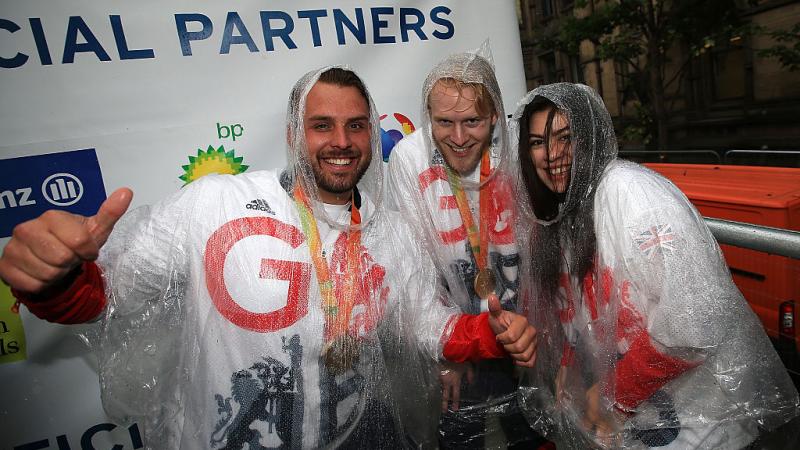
644 340
216 332
421 189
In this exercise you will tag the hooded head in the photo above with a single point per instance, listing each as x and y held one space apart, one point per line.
565 139
463 115
333 138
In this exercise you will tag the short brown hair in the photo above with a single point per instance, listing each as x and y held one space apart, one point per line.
336 76
344 78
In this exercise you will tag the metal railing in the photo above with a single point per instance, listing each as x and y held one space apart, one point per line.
672 156
776 241
772 158
781 158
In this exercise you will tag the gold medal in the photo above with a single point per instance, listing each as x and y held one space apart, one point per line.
485 283
341 354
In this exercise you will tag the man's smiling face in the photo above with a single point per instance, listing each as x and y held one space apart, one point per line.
460 131
337 132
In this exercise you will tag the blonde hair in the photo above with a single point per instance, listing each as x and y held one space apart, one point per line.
484 105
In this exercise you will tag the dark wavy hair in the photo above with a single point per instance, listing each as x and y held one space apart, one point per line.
574 230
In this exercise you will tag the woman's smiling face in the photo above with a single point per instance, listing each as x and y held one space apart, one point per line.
551 155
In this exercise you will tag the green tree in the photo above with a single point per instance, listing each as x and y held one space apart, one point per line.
655 40
786 48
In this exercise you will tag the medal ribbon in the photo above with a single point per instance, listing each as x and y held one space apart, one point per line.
478 235
336 311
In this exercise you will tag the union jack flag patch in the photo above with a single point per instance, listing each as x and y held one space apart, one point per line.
657 238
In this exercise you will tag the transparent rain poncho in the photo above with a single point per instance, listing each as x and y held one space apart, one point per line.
424 188
217 334
644 340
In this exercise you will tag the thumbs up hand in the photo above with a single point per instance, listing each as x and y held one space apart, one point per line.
513 332
43 251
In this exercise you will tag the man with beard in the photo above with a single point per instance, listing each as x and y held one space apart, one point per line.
450 180
225 325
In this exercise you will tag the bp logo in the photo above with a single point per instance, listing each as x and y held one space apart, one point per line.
391 137
213 160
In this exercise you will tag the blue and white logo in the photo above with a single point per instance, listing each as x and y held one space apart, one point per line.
62 189
31 185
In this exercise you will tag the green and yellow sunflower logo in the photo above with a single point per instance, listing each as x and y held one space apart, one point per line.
213 160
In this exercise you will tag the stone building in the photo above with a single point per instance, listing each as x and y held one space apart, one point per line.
730 97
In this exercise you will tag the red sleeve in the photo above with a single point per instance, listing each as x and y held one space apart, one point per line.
472 340
82 302
568 355
643 370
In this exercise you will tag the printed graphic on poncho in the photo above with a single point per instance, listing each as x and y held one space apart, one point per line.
337 421
371 292
503 256
370 296
268 396
213 160
505 272
436 158
656 423
657 239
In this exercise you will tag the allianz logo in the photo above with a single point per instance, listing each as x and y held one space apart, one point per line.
60 189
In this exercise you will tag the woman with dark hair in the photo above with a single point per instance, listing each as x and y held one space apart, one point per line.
644 339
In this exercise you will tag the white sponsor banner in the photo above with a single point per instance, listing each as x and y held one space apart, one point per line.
148 84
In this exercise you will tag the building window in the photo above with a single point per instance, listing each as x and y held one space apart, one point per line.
546 8
547 65
728 72
576 70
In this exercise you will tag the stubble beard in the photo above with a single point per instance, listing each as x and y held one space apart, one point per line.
469 166
340 184
460 165
464 166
